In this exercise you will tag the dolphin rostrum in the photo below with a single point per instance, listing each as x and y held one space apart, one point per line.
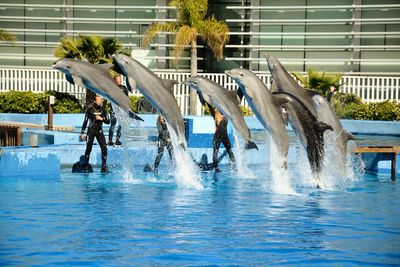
157 91
226 102
97 79
265 106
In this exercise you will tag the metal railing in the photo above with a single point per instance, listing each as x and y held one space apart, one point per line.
369 88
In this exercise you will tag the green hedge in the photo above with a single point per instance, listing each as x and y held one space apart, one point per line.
350 106
29 102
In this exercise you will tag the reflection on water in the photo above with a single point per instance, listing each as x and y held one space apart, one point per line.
102 220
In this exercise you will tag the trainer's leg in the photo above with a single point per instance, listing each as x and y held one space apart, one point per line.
160 152
89 145
103 146
227 144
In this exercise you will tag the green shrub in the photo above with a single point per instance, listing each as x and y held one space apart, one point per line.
383 111
134 100
29 102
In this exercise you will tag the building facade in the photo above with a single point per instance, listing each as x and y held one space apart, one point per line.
342 36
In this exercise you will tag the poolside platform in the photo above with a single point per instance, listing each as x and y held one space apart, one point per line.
371 155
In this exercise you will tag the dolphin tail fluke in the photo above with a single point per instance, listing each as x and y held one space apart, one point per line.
134 116
251 145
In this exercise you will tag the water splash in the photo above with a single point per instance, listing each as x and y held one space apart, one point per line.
125 121
186 173
280 181
243 171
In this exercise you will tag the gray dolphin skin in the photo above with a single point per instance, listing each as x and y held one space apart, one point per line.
157 91
226 102
341 136
285 83
265 106
97 79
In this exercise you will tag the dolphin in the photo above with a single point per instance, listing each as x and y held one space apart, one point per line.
226 102
341 136
320 107
157 91
309 128
97 79
265 106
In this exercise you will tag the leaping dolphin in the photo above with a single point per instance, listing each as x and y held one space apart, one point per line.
265 106
341 136
157 91
301 114
97 79
226 102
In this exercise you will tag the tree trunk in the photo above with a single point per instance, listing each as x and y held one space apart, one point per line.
193 72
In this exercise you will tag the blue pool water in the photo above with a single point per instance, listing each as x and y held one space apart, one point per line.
102 220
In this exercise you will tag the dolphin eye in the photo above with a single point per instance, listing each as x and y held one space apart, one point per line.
241 74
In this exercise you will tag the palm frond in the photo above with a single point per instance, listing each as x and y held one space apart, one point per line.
68 48
215 33
156 28
5 36
183 37
190 11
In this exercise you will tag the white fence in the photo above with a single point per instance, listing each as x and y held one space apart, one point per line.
369 88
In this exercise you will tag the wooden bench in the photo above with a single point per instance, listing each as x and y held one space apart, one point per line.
373 154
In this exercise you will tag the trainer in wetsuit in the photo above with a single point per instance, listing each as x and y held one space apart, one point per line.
96 115
164 139
113 118
220 136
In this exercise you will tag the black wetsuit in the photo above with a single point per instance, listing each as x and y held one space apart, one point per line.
95 129
205 166
221 136
163 137
113 120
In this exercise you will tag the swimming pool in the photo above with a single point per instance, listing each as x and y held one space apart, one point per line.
143 220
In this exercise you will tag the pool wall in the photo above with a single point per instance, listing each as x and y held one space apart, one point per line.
58 149
353 126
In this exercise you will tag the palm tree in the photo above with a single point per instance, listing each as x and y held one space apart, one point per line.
5 36
192 22
319 81
93 48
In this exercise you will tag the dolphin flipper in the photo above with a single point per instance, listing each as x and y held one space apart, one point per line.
70 79
323 126
133 115
347 136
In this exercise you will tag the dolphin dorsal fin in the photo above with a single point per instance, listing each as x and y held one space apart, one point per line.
323 126
281 98
106 66
170 83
